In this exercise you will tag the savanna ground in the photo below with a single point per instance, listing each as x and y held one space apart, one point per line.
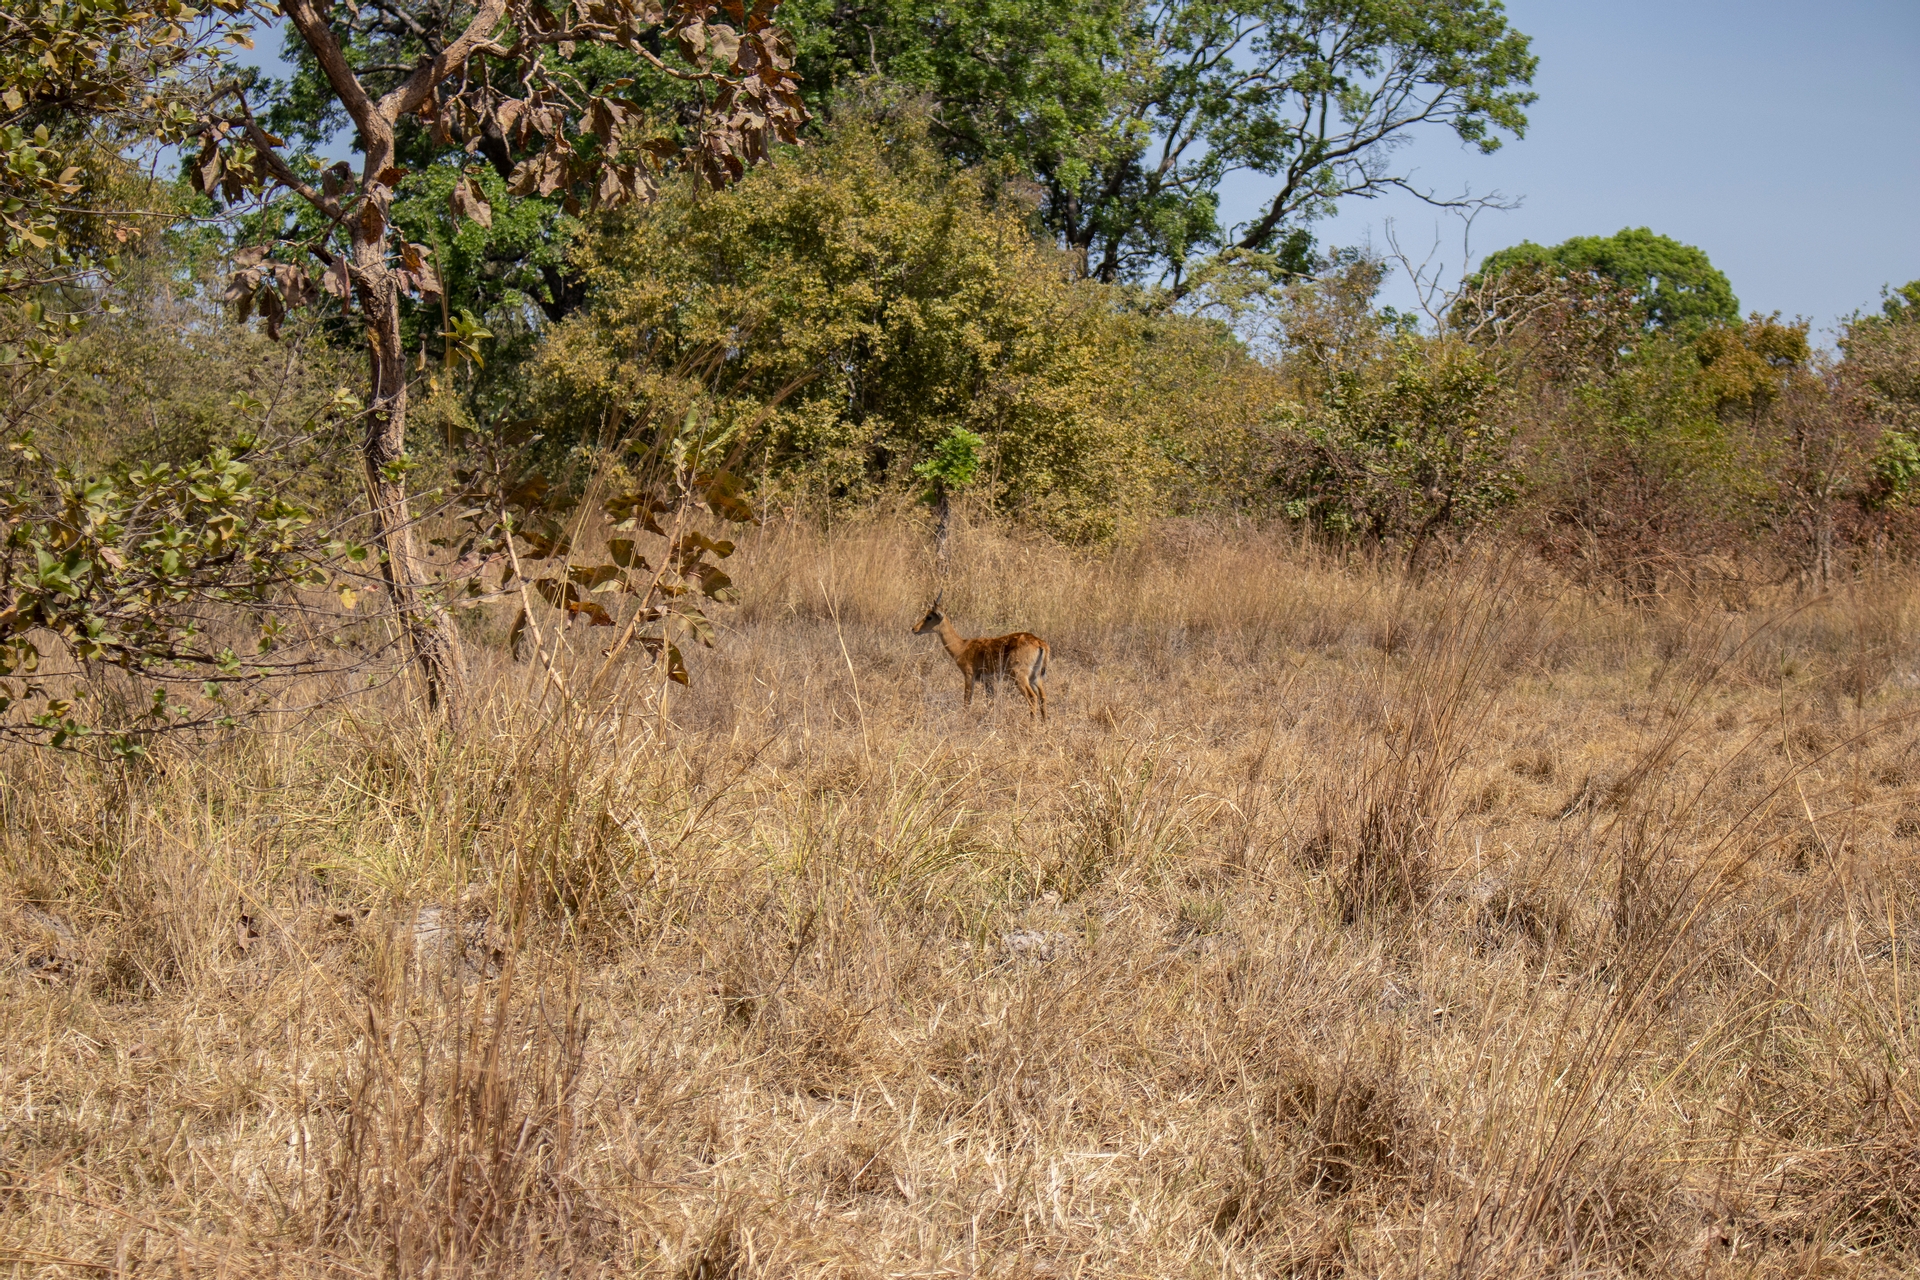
1336 924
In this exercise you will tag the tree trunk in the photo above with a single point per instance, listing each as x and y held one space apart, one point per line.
942 527
432 641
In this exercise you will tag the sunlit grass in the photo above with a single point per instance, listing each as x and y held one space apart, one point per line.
1334 925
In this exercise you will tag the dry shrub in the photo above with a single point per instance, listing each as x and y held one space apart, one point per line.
1391 813
1132 819
1344 1130
1864 1195
453 1147
1532 914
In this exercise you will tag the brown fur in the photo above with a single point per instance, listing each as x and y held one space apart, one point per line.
1020 654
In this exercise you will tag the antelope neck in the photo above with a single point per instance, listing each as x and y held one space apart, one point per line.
951 638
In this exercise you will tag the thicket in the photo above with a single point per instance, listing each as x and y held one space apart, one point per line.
872 300
839 322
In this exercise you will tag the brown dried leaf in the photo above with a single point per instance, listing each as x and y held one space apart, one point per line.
594 576
507 112
468 201
610 192
594 610
693 39
272 310
240 290
336 280
208 168
553 173
373 213
603 118
296 286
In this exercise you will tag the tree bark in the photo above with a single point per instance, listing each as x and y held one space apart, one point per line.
942 527
432 641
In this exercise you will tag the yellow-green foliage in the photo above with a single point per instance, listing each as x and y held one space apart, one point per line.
1203 404
165 377
906 303
1883 353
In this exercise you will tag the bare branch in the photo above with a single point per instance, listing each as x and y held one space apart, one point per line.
418 86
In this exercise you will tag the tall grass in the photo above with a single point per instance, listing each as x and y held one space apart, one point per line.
1337 924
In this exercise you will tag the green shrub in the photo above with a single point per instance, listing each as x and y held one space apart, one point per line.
885 304
1406 444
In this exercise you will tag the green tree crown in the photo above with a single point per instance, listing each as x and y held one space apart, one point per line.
1676 285
1124 117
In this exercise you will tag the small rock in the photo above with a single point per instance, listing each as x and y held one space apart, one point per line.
462 936
48 949
1035 945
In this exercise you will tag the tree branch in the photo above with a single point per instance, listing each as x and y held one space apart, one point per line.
415 89
319 37
284 174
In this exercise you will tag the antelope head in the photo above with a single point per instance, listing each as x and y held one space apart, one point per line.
934 617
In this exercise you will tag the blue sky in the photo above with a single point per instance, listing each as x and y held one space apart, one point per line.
1782 138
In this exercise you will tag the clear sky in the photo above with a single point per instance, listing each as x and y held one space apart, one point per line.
1782 138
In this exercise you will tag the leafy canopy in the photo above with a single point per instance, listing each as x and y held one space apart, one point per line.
485 184
1130 116
1677 287
1902 305
81 84
895 324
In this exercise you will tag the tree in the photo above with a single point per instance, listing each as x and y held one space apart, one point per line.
122 569
1675 285
1901 305
873 300
950 469
1130 115
112 562
1881 377
575 136
518 255
78 84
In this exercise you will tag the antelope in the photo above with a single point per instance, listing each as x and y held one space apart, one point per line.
1021 654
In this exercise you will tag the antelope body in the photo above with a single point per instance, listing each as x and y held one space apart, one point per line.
1020 654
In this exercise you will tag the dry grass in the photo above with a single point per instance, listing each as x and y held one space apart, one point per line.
1335 926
